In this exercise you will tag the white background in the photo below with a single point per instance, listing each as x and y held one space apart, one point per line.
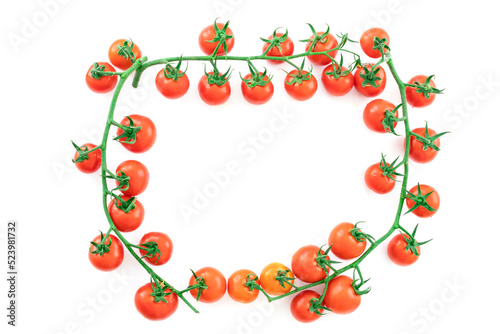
303 182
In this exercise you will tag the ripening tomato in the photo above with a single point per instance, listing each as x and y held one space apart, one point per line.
208 34
340 296
216 285
270 284
432 200
396 249
258 94
164 245
145 137
417 152
237 289
120 61
105 83
369 90
300 306
366 41
93 163
151 310
304 264
286 49
139 177
213 94
170 88
419 100
109 260
126 221
301 91
377 181
327 43
340 86
374 114
344 245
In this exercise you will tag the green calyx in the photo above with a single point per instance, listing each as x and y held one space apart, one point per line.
317 306
122 179
200 285
97 71
301 76
129 132
337 69
282 277
82 153
251 282
215 78
370 76
323 261
159 291
425 88
411 243
361 236
389 170
275 41
381 45
151 249
101 248
257 78
357 283
390 118
125 50
428 141
174 73
220 37
316 38
125 205
419 199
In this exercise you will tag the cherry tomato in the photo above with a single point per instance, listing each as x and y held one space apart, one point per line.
304 264
270 284
374 114
145 137
151 310
139 177
104 84
216 285
327 43
419 100
396 249
417 152
340 296
170 88
237 289
213 94
208 34
93 163
340 86
164 244
377 182
433 200
118 60
109 260
258 94
126 221
301 91
369 90
366 41
345 246
300 306
286 49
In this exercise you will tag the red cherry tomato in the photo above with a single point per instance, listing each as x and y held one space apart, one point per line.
301 91
327 43
126 221
340 296
109 260
118 60
93 163
286 49
345 246
340 86
419 100
366 41
258 94
304 264
208 34
374 114
237 289
105 83
300 306
377 181
151 310
213 94
171 88
369 90
268 280
417 152
145 137
216 285
433 200
396 249
164 244
139 177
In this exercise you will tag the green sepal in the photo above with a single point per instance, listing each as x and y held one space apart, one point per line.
125 205
370 76
82 155
322 260
282 278
251 282
390 118
129 132
361 236
411 243
419 199
174 73
428 141
317 306
381 45
220 37
151 250
357 283
257 79
337 69
275 41
215 78
299 77
315 39
123 180
389 170
425 88
125 50
101 248
159 291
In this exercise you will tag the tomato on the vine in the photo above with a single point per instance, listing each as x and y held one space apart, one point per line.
215 282
300 306
121 48
396 249
418 99
139 177
377 181
155 310
164 247
208 34
305 265
237 289
105 83
171 88
343 243
374 82
111 257
144 138
213 94
93 163
367 44
417 152
337 86
340 296
286 49
303 89
374 115
326 43
429 197
126 221
268 280
257 94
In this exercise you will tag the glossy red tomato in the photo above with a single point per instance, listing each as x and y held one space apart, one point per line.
270 284
419 100
139 177
345 246
126 221
396 249
432 200
300 306
170 88
340 86
164 245
340 296
145 137
304 264
369 90
366 41
118 60
151 310
327 43
237 289
93 163
286 49
417 152
258 94
374 114
377 181
208 34
215 281
213 94
105 83
109 260
301 91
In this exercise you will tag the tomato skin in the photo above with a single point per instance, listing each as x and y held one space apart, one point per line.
433 200
213 94
236 287
108 261
126 222
304 264
105 83
376 181
300 306
286 48
345 246
165 246
366 41
374 114
418 100
330 43
303 91
215 281
145 137
169 88
337 87
145 303
369 90
118 60
417 152
340 296
258 94
92 164
208 34
269 284
396 249
139 177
